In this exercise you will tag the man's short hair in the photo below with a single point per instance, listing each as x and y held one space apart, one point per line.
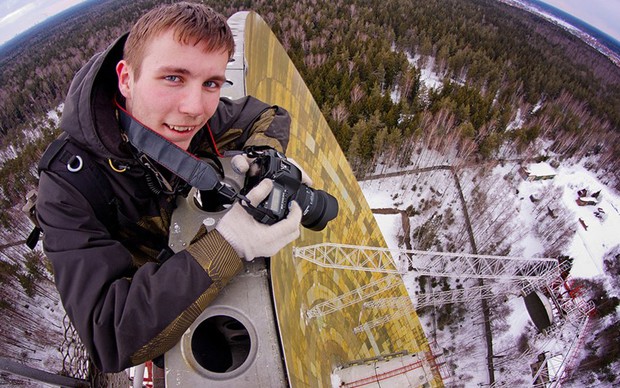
192 23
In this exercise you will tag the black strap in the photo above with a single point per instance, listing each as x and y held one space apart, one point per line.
33 237
191 169
50 153
79 168
196 172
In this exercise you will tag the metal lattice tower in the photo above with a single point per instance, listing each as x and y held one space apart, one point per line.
557 348
402 305
350 298
385 260
397 262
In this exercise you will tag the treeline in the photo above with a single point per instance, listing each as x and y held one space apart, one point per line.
357 59
495 61
35 75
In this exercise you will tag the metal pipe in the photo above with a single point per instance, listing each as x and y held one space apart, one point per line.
138 375
14 367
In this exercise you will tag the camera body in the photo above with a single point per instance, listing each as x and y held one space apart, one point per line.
318 207
286 177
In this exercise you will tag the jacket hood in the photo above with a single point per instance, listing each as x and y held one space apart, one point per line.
89 114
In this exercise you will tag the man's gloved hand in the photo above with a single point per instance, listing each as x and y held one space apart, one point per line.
251 239
305 178
242 164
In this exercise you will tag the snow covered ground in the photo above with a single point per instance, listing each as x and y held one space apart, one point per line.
587 246
14 148
534 215
603 230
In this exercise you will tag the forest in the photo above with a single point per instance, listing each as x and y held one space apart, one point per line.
363 62
495 61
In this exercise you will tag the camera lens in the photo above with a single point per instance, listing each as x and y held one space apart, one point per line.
318 207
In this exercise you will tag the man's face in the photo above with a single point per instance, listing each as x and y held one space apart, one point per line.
178 88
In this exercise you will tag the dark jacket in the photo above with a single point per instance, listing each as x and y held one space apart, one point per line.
126 306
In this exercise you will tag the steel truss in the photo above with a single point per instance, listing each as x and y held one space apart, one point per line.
560 346
512 273
353 297
446 264
403 305
394 262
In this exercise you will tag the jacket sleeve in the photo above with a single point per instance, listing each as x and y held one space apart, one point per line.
125 316
248 121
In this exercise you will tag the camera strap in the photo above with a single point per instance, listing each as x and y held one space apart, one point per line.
188 167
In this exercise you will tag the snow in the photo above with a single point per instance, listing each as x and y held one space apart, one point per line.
54 114
379 195
517 122
589 246
524 206
541 169
36 131
537 107
518 318
395 95
390 226
428 76
530 246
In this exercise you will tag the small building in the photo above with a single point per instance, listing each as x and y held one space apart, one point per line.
537 171
585 199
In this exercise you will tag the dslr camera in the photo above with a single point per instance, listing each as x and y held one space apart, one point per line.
318 207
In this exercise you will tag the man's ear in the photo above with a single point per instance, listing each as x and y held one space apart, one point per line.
125 78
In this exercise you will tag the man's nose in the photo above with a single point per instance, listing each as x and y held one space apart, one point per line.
192 101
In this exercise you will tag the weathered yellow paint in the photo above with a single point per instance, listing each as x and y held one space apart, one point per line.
313 348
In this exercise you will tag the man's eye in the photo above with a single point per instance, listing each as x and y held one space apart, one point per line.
212 84
172 78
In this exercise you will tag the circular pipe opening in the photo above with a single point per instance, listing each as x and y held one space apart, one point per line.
221 344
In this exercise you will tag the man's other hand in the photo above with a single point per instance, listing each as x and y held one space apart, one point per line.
251 239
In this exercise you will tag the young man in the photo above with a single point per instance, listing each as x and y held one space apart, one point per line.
128 302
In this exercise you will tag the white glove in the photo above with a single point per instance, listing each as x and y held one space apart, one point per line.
241 164
251 239
305 178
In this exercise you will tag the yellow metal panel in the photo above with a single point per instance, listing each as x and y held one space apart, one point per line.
314 347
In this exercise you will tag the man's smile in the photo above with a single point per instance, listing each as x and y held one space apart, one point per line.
180 128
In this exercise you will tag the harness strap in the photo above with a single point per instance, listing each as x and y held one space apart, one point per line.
78 168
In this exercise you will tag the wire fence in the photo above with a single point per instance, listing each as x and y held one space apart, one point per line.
76 362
